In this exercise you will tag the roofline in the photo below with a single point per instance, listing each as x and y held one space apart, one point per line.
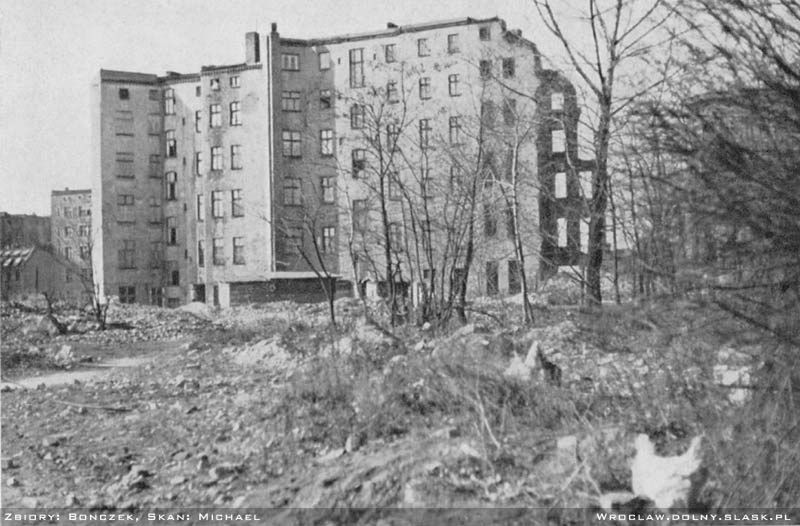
390 32
68 192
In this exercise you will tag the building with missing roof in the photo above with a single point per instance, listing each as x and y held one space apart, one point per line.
217 186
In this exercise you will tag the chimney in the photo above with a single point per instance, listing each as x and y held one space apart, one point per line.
391 25
274 27
252 51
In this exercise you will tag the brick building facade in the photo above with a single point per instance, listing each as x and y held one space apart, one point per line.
239 181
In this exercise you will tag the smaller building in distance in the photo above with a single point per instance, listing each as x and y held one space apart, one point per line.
24 230
31 270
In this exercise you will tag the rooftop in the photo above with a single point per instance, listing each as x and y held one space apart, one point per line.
15 257
67 191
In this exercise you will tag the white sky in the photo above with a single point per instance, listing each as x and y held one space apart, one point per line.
50 50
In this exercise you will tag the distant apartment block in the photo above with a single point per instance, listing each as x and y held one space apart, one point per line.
212 186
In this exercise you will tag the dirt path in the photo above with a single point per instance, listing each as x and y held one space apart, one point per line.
97 371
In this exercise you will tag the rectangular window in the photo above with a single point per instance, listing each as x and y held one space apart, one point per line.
484 33
238 251
557 101
293 240
172 231
68 229
391 91
324 60
395 191
156 252
237 208
198 119
124 165
489 221
154 94
423 49
198 163
452 44
127 294
392 137
324 99
328 239
200 207
201 253
560 185
290 62
510 224
425 185
396 236
390 53
127 254
425 88
155 210
214 84
84 252
234 81
236 157
216 115
488 113
83 230
328 185
514 280
169 101
236 115
153 124
171 189
584 235
123 123
359 158
586 184
356 116
197 91
217 210
122 200
326 142
492 278
216 158
218 251
291 143
357 68
455 130
509 112
68 253
290 100
453 85
154 166
424 133
559 141
172 144
292 195
360 214
561 231
509 68
486 69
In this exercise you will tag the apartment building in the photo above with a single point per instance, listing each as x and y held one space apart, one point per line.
244 182
71 239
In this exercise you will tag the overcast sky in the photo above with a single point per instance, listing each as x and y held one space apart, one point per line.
51 49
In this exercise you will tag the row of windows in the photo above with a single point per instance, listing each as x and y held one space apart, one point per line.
294 240
216 156
560 184
218 251
169 93
562 233
70 212
218 204
293 190
291 61
83 231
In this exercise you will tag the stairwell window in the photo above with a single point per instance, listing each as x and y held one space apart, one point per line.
455 130
216 115
357 68
238 251
198 119
236 114
328 240
200 207
172 144
236 157
217 211
171 186
216 158
390 53
198 163
424 133
169 101
172 230
201 253
237 207
218 251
